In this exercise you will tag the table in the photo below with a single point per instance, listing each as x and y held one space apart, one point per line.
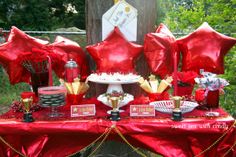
64 136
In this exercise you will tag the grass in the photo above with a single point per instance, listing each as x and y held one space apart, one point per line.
9 92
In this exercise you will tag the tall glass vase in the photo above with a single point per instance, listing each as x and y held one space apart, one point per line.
39 79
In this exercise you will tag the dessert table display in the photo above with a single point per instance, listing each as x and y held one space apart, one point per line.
176 123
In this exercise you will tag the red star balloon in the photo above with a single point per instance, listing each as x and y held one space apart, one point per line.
205 49
18 42
159 49
164 30
115 53
63 50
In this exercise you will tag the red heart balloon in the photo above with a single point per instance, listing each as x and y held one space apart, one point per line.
205 49
115 53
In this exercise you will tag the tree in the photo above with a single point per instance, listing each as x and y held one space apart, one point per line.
187 15
41 14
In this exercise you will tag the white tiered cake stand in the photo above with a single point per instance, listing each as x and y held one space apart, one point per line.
114 84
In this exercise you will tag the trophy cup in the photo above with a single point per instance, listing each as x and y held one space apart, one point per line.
26 105
177 113
114 101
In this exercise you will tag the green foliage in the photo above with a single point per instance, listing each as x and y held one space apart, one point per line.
187 15
228 101
10 92
41 14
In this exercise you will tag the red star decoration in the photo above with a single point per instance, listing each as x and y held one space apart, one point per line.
115 53
18 42
205 49
63 50
159 49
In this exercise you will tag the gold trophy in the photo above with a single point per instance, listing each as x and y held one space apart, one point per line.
114 101
177 113
26 105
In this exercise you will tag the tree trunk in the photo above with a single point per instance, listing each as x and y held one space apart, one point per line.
146 23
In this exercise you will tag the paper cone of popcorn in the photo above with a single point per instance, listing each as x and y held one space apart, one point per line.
146 86
69 87
75 86
164 84
141 80
83 87
75 92
154 83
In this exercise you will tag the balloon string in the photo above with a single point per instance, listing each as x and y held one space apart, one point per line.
50 71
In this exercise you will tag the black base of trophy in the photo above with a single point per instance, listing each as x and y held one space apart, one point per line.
115 115
177 116
28 117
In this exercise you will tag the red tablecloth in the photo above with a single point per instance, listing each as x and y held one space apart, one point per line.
65 136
